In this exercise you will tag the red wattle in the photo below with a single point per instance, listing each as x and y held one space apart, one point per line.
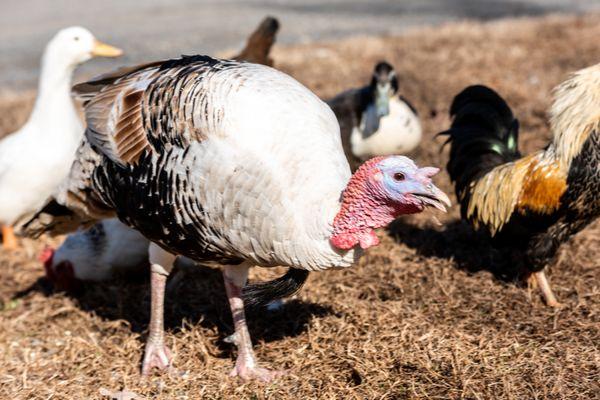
363 209
344 241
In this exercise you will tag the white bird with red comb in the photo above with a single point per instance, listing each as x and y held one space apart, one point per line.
229 163
97 254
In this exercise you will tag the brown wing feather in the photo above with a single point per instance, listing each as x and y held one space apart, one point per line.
114 118
532 183
260 42
86 90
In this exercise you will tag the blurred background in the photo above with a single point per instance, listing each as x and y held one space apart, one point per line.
157 29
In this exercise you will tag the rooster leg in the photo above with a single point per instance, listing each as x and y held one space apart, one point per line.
156 353
9 241
246 368
544 285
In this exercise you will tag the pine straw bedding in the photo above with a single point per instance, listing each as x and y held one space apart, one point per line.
432 313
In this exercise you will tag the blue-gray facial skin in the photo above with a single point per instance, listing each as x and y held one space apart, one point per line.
404 182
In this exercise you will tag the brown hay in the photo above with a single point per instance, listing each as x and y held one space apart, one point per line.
416 319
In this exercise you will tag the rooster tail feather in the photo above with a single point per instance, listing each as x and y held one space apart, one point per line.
484 134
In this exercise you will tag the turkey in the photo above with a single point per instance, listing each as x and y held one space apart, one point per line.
36 158
230 163
375 120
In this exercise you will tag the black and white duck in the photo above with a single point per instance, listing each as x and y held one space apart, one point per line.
375 120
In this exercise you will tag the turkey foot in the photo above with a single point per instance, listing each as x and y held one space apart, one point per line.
156 355
246 368
249 373
9 241
539 279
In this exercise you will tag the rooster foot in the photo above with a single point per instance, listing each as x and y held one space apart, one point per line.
539 279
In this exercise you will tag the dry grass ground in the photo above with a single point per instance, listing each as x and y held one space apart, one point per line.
432 313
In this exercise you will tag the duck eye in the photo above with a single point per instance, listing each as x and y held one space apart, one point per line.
399 176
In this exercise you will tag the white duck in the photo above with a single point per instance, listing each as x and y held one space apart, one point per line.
36 158
375 120
210 159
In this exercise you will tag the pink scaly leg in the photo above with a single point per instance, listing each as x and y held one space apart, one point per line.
246 368
156 354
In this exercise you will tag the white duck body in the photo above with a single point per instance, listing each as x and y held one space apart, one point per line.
35 159
399 132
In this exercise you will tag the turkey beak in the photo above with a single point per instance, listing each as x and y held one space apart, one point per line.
104 50
429 194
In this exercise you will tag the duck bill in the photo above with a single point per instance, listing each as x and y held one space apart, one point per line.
105 50
432 196
382 102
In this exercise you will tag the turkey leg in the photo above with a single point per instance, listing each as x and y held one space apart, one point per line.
246 368
156 353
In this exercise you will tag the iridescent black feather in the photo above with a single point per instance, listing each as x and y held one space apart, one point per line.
484 134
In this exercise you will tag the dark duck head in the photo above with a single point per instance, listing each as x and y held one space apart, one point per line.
384 86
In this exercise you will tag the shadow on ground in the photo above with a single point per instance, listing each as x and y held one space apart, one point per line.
198 298
471 251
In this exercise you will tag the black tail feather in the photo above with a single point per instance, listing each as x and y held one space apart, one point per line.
484 134
262 293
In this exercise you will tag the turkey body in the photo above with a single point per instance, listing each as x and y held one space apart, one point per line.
223 184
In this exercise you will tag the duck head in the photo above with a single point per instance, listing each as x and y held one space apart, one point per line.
384 85
76 45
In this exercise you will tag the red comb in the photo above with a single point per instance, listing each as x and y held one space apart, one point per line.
46 258
46 254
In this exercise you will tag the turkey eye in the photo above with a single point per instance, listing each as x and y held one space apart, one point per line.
399 176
